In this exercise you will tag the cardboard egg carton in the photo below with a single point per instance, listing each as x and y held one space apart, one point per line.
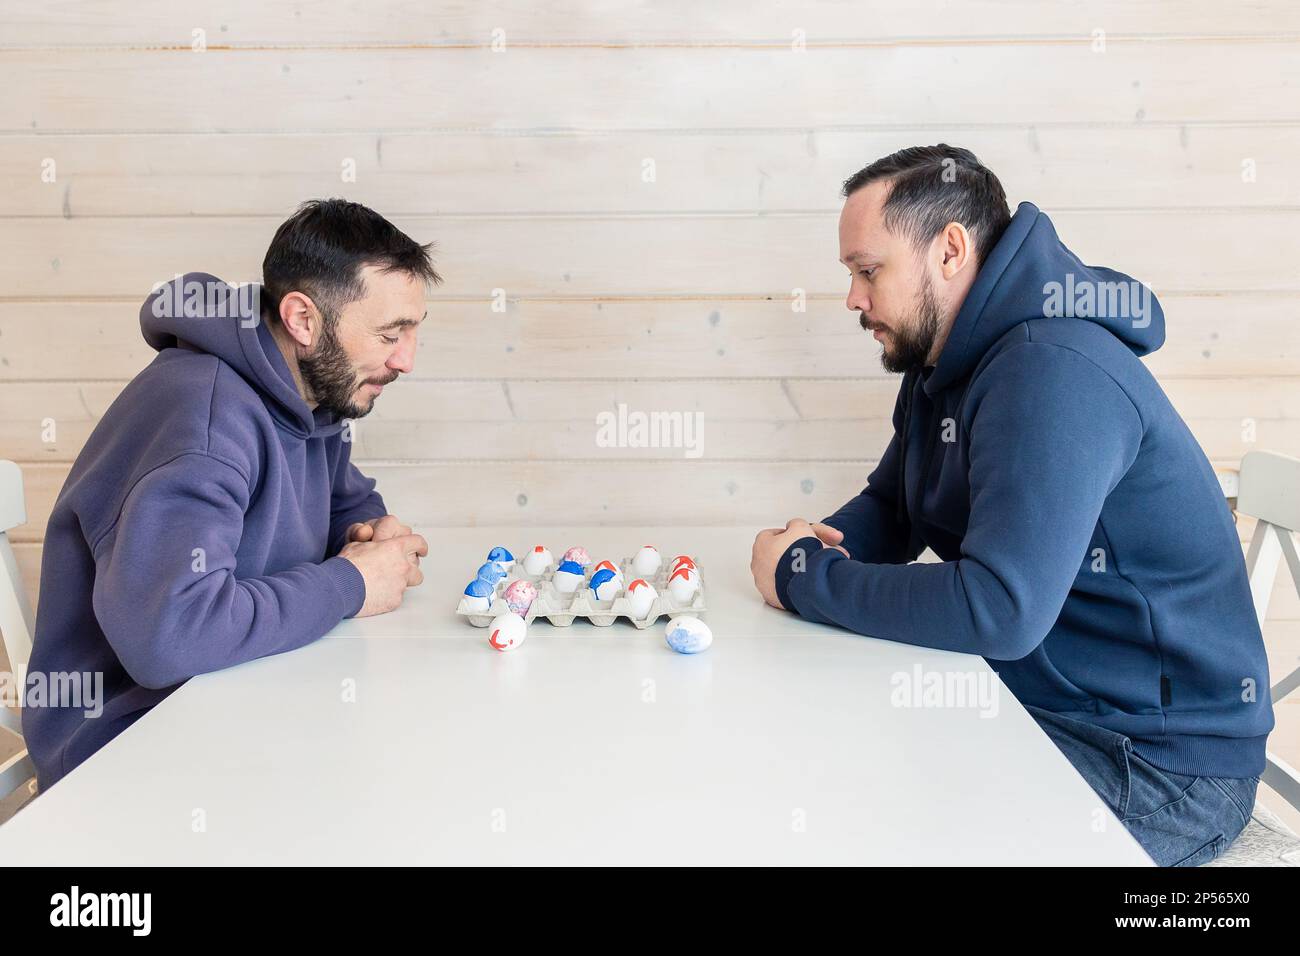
562 609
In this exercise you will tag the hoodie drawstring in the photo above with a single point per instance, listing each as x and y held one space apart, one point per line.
909 386
905 515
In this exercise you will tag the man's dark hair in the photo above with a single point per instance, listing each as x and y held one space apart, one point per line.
321 249
936 185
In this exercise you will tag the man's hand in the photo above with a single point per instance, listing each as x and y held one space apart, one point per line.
831 537
769 545
380 529
377 529
389 567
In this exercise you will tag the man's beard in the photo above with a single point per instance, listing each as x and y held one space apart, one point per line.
330 377
911 341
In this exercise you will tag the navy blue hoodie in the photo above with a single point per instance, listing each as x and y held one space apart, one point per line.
198 526
1087 550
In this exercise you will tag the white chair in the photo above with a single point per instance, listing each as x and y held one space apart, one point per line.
17 775
1268 490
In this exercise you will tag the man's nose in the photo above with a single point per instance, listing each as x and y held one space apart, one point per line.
857 301
403 359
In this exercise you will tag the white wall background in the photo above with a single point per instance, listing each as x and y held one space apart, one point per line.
1161 137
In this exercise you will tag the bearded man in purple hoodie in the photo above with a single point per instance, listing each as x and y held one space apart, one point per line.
214 515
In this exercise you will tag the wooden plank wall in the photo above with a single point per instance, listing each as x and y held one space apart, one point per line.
145 139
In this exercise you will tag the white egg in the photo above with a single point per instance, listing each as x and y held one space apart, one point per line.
568 578
682 585
519 596
646 562
502 556
605 584
577 555
640 598
536 561
688 635
478 596
507 632
610 565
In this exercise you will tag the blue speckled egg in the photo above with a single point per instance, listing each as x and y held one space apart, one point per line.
688 635
491 572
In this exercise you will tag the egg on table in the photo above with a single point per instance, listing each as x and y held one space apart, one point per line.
536 561
646 562
605 584
503 557
478 596
568 577
507 632
688 635
519 596
640 598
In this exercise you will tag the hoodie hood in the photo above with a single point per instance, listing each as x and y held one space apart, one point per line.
200 312
1030 274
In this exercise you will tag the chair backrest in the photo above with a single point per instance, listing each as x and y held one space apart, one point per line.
16 627
1269 491
16 623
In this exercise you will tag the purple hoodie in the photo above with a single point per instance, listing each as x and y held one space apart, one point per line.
198 527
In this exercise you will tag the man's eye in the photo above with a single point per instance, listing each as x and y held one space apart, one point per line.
389 339
867 272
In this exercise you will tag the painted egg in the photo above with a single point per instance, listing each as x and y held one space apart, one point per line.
578 556
519 597
605 584
503 557
568 577
687 565
613 569
688 635
536 561
681 559
640 598
507 632
478 596
682 585
646 561
491 572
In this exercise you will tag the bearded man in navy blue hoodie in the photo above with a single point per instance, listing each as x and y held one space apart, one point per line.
1086 548
214 515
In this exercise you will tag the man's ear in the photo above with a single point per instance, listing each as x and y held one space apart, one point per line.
301 318
956 249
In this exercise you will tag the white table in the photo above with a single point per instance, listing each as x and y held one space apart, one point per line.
778 745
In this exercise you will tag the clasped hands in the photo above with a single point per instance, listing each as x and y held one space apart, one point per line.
771 543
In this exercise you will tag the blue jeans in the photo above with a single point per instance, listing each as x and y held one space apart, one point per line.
1179 820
